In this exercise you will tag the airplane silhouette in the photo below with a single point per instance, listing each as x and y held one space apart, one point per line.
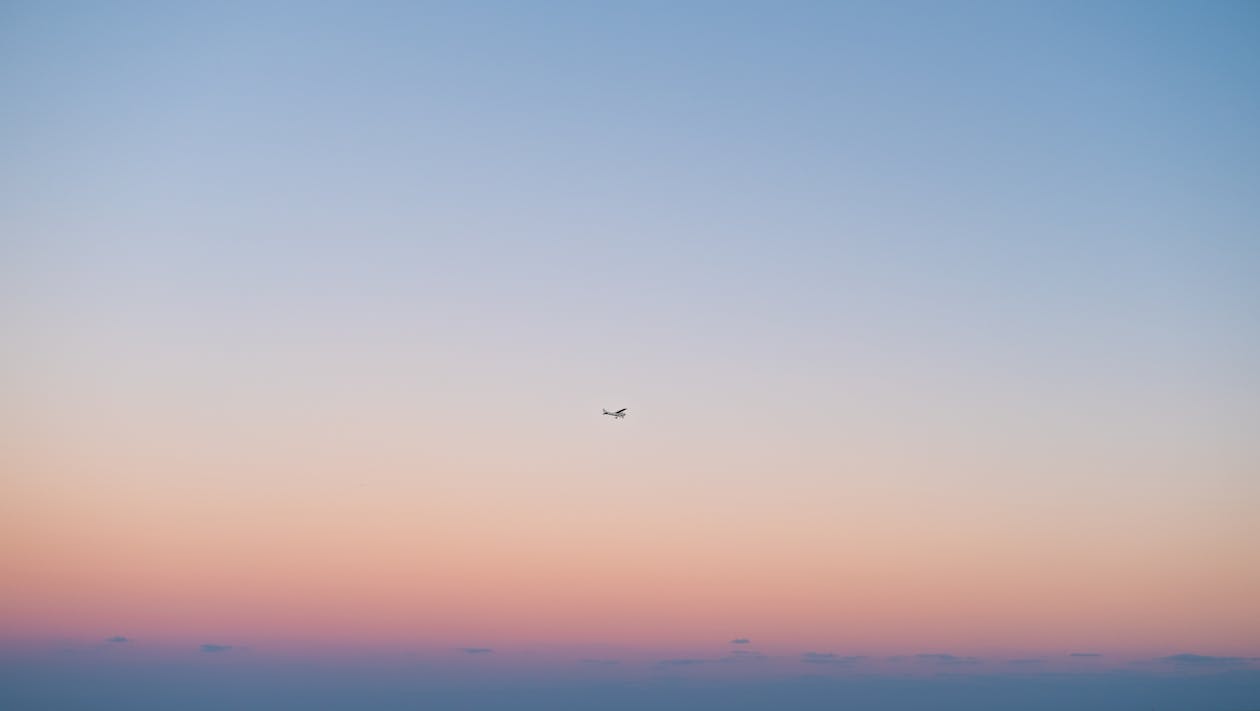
618 414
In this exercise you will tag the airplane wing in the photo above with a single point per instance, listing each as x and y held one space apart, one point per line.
622 411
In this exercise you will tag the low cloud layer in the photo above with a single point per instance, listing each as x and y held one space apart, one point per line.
117 639
159 683
1204 660
946 659
476 650
830 658
684 662
738 655
212 648
744 655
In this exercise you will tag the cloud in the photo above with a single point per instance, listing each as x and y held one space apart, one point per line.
744 655
1204 660
1026 661
1084 654
829 658
216 647
682 662
946 659
476 650
117 639
741 640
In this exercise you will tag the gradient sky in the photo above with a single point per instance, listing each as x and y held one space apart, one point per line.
938 326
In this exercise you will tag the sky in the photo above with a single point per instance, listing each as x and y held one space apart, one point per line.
938 326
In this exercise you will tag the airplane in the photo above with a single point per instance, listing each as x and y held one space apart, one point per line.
618 414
